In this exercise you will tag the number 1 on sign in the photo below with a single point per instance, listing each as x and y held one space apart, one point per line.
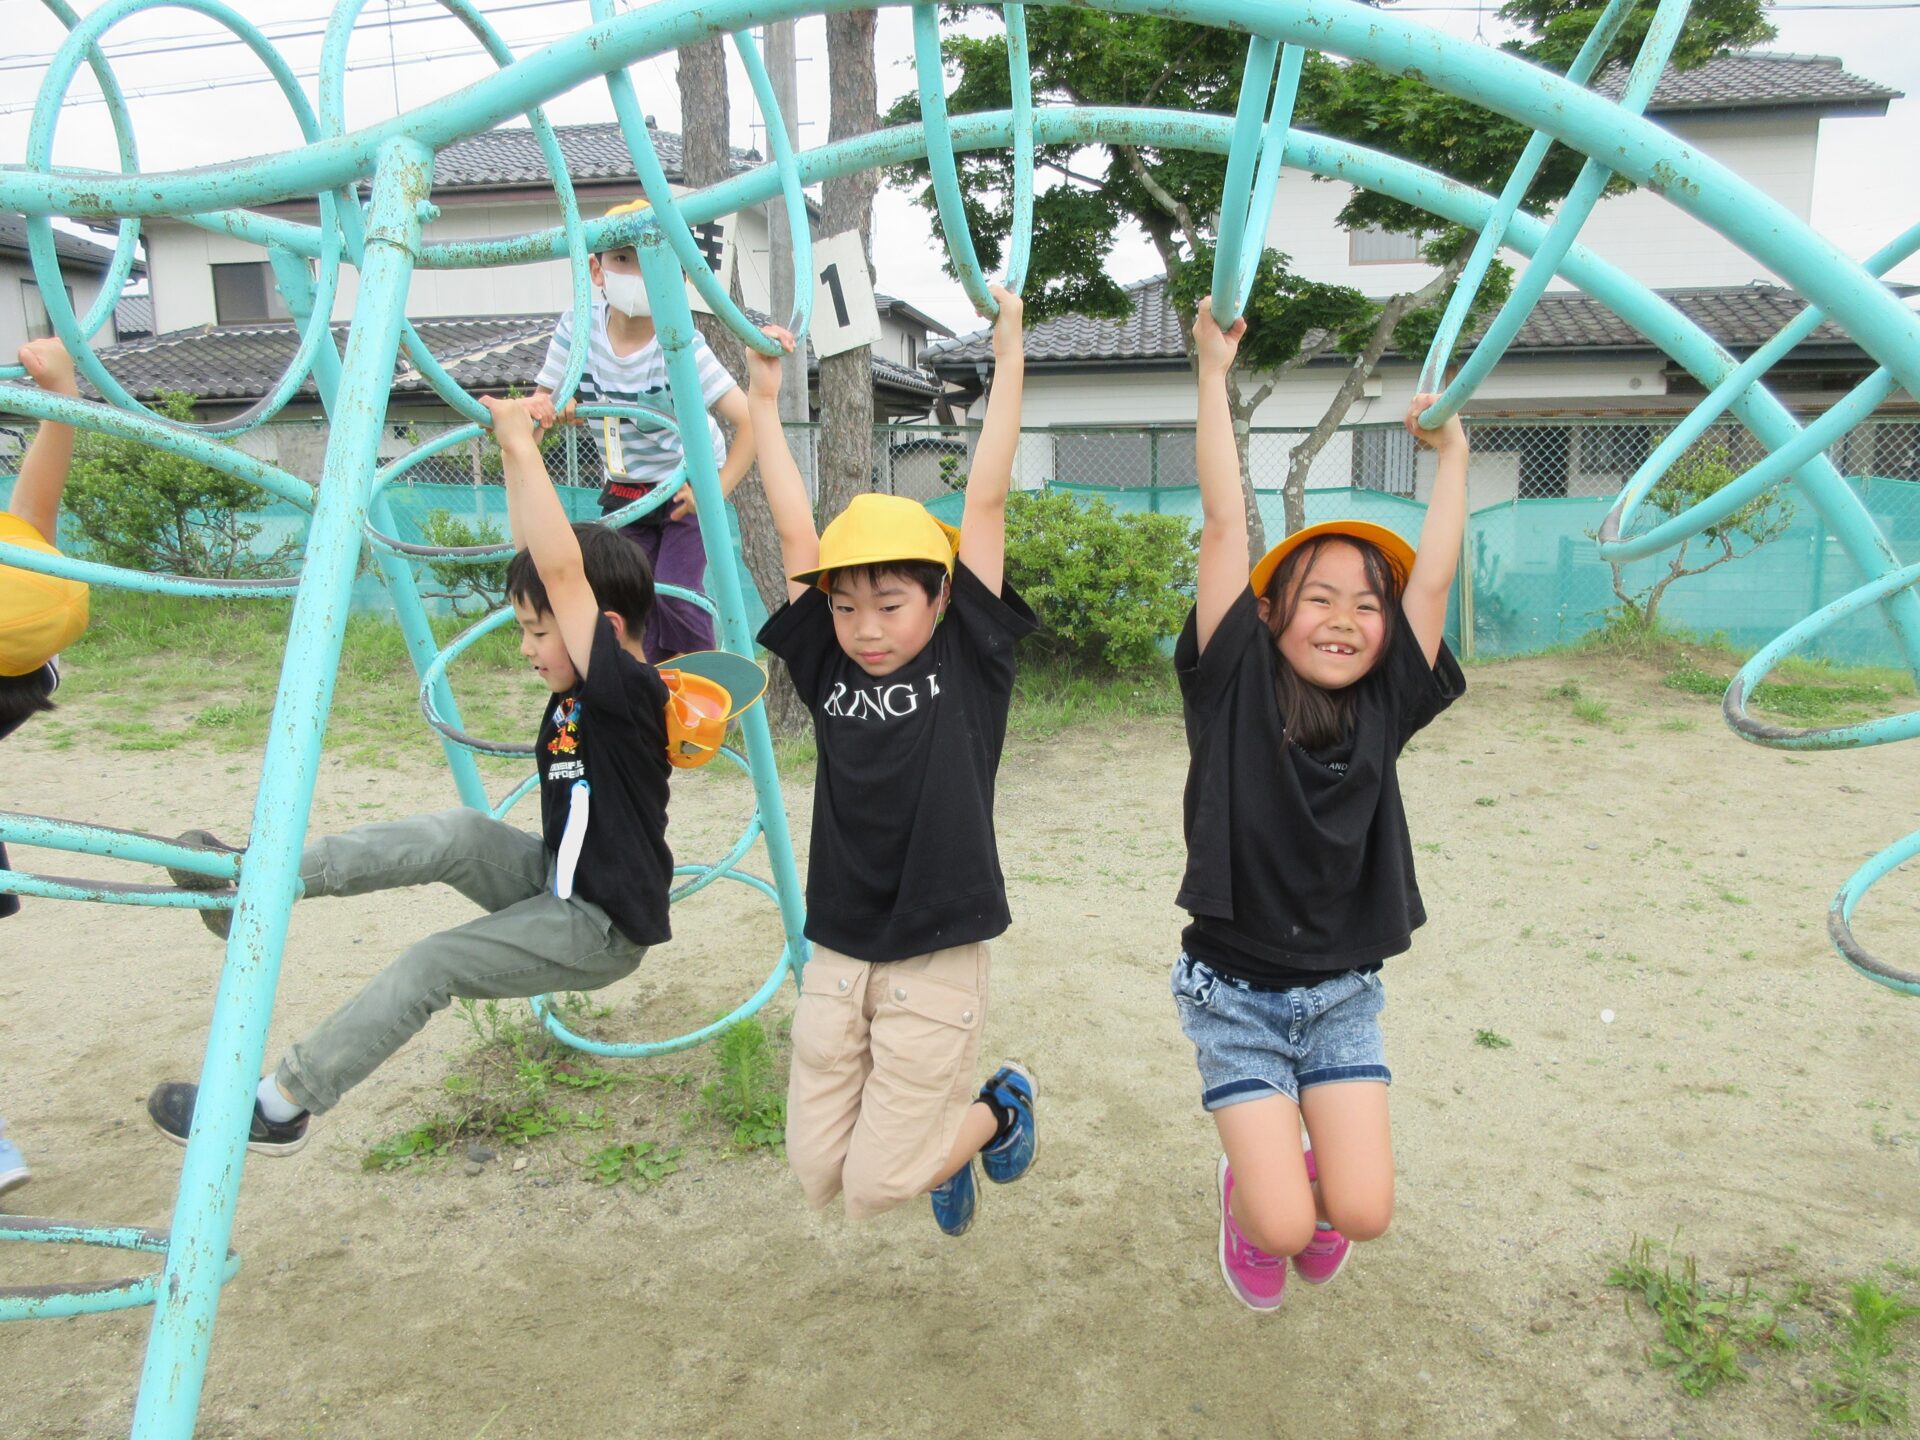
830 277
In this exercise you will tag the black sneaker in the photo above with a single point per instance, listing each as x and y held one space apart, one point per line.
170 1107
220 922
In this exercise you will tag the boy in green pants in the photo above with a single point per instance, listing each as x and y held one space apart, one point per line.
553 922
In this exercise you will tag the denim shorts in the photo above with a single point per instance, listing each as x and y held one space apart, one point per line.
1252 1043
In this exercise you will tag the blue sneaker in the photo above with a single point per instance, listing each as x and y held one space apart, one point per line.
13 1166
954 1201
1012 1087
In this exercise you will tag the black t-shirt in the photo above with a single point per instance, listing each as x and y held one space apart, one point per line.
1298 865
611 731
903 858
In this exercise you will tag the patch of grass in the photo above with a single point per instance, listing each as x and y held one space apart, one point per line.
1678 724
1486 801
1593 712
746 1094
1868 1384
1705 1329
1565 690
640 1163
424 1142
1050 696
1491 1040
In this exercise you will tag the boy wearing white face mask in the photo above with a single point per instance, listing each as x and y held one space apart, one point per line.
626 365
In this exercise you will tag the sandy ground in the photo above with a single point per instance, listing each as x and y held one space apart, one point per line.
1751 1095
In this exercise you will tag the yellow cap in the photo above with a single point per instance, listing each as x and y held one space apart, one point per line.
880 530
627 207
40 615
1398 552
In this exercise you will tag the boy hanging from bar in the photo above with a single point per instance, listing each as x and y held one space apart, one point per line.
899 634
575 907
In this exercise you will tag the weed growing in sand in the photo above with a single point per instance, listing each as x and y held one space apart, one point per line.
746 1095
1565 690
1486 801
1491 1040
1593 712
1705 1329
1868 1383
641 1163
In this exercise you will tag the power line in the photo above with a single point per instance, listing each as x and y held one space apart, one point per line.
408 16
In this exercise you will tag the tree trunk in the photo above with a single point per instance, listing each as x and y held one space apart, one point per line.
846 380
706 159
1364 364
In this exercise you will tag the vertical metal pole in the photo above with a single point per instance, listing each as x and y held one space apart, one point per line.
296 286
673 322
189 1293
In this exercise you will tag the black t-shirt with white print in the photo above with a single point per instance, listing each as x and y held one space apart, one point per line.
610 730
1298 865
903 859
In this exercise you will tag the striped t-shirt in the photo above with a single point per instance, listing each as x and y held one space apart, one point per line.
629 452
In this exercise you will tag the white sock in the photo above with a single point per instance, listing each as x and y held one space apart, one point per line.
275 1106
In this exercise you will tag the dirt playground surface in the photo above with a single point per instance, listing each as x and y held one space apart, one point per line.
1750 1094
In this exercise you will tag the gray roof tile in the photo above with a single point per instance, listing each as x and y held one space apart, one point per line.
1740 317
1747 79
240 363
511 156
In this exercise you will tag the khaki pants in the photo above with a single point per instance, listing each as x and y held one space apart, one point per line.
883 1072
530 943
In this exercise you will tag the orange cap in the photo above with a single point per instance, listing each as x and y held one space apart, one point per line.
1398 552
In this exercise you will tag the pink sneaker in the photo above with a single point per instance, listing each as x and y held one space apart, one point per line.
1326 1252
1258 1280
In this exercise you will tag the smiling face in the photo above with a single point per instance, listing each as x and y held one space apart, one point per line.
541 643
1333 626
882 619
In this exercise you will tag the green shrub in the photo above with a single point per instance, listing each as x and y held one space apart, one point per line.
1107 587
148 509
472 586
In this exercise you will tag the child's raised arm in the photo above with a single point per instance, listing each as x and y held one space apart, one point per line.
1225 559
779 476
43 472
1424 601
983 521
539 525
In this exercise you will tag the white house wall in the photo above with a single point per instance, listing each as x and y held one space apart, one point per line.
180 257
13 308
1656 242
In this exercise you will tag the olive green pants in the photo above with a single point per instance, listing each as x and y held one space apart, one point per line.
530 942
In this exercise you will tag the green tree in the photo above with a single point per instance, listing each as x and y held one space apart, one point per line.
144 508
1701 472
1088 57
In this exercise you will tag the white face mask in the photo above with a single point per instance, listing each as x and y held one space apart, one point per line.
626 293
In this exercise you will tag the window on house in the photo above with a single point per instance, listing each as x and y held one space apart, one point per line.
39 323
245 293
1374 246
1383 459
913 353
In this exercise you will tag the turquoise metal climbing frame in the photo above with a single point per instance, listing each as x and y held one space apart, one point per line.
382 235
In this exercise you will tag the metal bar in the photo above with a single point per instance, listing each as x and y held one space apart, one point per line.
175 1366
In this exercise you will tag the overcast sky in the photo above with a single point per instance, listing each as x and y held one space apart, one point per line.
189 110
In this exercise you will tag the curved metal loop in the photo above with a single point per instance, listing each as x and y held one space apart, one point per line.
663 212
1634 494
792 197
1840 918
1826 737
1467 287
1020 82
333 65
1809 444
662 493
486 625
81 42
87 1297
640 1050
941 164
1243 230
127 235
1648 66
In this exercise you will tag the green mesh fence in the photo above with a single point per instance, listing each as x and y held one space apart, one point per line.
1535 579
